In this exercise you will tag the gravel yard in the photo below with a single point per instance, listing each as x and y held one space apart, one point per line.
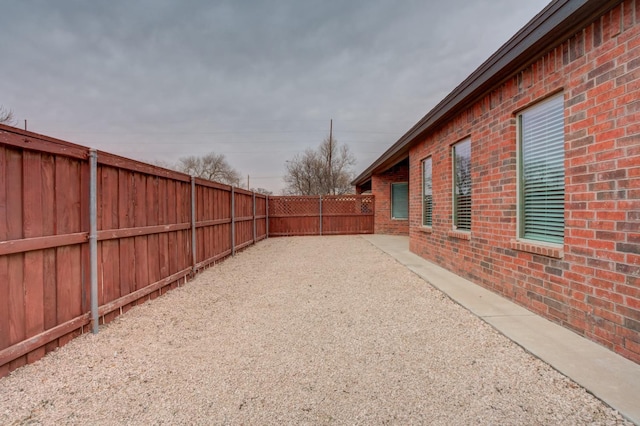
307 330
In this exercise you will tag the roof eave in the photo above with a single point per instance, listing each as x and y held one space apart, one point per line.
556 22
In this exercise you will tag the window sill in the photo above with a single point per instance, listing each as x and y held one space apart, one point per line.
461 235
535 247
399 218
425 229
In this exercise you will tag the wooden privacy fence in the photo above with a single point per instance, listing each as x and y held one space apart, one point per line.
321 215
85 235
151 229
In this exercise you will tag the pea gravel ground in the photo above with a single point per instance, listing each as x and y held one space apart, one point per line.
305 330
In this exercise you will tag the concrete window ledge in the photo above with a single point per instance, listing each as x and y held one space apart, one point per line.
538 248
461 235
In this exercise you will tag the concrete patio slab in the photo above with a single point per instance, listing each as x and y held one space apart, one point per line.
605 374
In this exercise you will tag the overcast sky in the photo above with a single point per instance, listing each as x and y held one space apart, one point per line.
257 81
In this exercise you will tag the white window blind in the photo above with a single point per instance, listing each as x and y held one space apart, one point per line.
462 185
427 193
542 171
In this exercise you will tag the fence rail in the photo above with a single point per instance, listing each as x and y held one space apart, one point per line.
85 235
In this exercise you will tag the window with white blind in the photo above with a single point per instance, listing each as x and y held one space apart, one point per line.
400 200
541 171
461 154
427 193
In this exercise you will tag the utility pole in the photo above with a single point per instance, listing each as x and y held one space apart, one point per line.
248 186
333 187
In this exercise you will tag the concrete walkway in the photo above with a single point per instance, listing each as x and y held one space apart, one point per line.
608 376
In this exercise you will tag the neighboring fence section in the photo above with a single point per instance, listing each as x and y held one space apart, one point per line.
146 244
321 215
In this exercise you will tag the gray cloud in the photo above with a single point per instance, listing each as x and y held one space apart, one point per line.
256 81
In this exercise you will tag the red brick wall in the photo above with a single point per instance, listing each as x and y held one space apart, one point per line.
381 188
592 284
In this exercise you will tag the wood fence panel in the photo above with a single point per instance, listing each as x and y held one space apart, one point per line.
224 209
294 226
327 215
202 193
172 217
139 202
16 330
153 242
5 316
44 221
108 251
50 316
347 225
33 260
296 215
261 217
68 206
347 214
40 274
183 200
213 220
126 219
50 295
163 238
140 220
243 218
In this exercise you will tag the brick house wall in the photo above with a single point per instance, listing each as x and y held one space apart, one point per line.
381 187
592 284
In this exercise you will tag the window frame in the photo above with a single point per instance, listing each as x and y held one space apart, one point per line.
454 213
394 184
424 195
520 211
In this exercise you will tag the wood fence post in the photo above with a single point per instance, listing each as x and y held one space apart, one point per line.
193 225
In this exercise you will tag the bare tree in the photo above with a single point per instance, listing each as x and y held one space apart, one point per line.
262 191
211 166
6 116
304 174
339 161
326 170
463 190
163 164
463 175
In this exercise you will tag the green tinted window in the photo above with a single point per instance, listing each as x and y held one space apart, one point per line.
400 200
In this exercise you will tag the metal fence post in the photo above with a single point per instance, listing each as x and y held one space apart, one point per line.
193 224
93 237
321 215
254 218
233 221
